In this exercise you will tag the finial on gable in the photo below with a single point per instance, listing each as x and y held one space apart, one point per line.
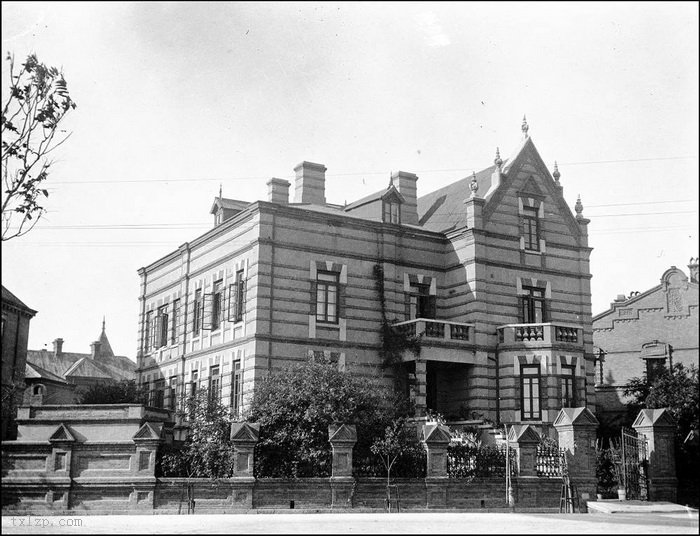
525 127
556 173
220 190
498 160
579 208
474 185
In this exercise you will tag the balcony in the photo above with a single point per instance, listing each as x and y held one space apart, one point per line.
545 334
441 340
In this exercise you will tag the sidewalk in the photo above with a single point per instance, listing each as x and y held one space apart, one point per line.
362 523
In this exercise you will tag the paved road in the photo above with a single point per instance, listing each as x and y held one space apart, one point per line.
359 523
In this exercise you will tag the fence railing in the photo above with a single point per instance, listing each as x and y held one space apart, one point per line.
466 461
444 330
412 464
548 461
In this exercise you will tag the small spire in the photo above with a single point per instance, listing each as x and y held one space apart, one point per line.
579 208
556 173
525 127
220 190
474 185
103 323
498 160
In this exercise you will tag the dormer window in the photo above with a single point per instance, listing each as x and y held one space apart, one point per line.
392 211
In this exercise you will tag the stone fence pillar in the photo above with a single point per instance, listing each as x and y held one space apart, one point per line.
659 428
143 465
435 439
526 440
577 436
342 438
244 436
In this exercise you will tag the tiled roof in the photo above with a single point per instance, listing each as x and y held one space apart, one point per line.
32 371
11 299
87 368
443 209
117 367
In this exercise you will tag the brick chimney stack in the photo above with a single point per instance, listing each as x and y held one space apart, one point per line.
278 191
95 349
310 183
405 183
58 347
693 267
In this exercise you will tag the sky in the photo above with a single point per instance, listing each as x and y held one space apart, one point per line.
177 99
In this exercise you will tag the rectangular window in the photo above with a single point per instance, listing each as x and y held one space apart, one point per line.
197 312
533 306
174 336
327 297
531 228
159 396
422 304
147 332
214 381
236 388
173 392
568 389
392 212
162 335
217 304
530 392
236 292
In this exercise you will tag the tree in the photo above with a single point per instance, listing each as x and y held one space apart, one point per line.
37 102
207 451
295 407
122 392
396 441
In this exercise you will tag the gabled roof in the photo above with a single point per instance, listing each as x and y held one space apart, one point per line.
245 431
654 417
381 194
32 371
228 204
10 299
523 433
341 433
149 431
580 416
62 433
443 209
87 367
435 433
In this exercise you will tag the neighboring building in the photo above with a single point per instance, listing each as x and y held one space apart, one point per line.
60 377
643 332
491 270
15 336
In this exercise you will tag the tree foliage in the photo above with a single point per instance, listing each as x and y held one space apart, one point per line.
294 408
37 101
122 392
207 451
398 441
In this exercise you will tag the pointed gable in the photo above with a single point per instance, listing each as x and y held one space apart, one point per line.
86 368
436 433
62 433
149 431
657 418
523 433
338 433
575 416
245 431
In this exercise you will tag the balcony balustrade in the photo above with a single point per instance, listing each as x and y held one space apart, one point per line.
442 330
544 333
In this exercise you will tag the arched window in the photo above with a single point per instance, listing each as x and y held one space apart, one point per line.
38 389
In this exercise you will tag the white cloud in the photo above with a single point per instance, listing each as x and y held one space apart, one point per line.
432 30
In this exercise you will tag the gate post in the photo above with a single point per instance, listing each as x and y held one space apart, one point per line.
244 436
435 439
342 438
658 427
577 434
526 440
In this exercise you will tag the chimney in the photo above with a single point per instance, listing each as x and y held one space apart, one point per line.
405 183
278 191
310 184
58 347
693 267
95 349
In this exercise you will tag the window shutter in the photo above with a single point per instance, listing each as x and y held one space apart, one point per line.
341 301
242 297
155 325
314 297
432 306
231 311
407 304
545 310
521 310
207 311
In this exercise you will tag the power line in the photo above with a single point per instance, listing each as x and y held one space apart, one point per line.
464 169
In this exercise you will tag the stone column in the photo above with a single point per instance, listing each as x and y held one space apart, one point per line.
342 438
435 439
244 436
524 439
61 463
421 387
577 435
143 464
658 427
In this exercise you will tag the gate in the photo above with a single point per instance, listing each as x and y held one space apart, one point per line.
634 464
